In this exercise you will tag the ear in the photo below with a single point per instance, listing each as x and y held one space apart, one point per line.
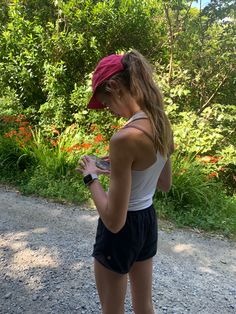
113 86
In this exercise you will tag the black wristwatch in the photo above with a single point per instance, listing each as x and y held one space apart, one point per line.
89 178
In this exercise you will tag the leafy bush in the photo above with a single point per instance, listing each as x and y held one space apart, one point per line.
196 199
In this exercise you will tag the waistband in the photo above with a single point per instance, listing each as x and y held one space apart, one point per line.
140 211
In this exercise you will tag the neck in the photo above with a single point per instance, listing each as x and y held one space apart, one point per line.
130 106
133 110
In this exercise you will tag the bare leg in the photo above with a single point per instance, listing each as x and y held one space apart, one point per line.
111 288
141 287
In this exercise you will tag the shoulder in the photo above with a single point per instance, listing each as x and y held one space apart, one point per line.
122 145
125 138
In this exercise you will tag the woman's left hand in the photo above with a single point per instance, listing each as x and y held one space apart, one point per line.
87 165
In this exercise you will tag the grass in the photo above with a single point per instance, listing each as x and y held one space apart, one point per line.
196 200
47 170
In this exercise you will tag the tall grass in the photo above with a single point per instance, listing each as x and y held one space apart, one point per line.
196 199
45 165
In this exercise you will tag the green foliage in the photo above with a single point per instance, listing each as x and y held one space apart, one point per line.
190 186
63 188
196 199
48 50
9 103
194 134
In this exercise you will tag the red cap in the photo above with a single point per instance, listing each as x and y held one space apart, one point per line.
107 67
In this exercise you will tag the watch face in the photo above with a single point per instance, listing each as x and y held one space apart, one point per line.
88 179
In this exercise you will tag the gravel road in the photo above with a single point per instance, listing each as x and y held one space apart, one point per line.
46 264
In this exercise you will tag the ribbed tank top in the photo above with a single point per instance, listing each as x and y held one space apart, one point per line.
144 182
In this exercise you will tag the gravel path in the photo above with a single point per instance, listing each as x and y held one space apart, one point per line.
46 264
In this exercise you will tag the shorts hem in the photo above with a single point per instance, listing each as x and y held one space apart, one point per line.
141 259
108 267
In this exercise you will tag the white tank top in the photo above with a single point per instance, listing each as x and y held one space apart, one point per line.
144 182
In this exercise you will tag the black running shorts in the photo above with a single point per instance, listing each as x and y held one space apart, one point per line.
136 241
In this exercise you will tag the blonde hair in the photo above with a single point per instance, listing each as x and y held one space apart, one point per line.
137 77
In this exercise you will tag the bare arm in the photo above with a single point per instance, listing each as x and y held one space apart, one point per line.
165 180
112 207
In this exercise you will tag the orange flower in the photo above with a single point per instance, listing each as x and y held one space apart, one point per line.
20 118
10 134
106 147
8 118
207 159
73 148
98 138
213 174
76 147
54 143
214 159
86 145
22 129
222 169
69 149
93 127
115 127
54 130
24 123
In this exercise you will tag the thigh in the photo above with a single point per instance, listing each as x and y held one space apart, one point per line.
141 286
111 288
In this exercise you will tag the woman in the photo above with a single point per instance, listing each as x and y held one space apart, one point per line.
126 238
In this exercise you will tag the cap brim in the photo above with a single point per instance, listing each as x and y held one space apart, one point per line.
95 104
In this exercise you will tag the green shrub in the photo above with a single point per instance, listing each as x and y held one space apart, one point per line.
67 188
196 199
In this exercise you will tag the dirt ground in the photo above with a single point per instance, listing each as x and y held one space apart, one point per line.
46 264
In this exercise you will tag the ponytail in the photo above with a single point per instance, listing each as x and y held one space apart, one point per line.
149 97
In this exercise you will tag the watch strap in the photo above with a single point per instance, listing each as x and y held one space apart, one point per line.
89 178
